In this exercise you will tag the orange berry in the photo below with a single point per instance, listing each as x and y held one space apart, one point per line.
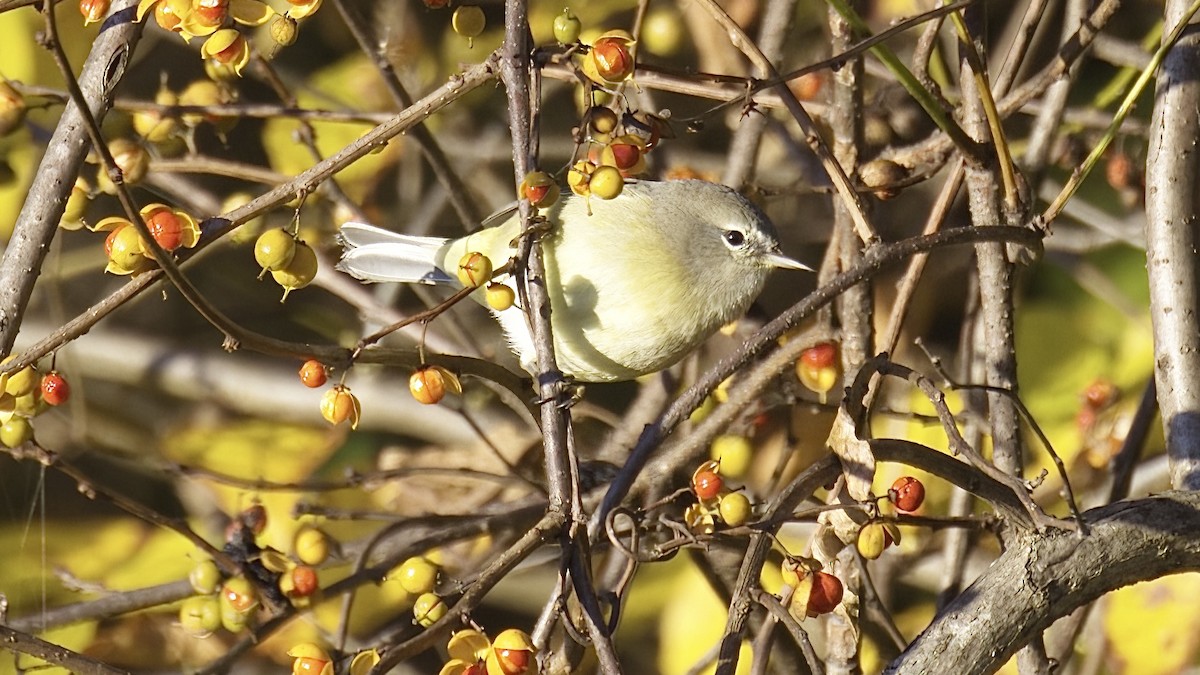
707 484
55 390
312 374
907 493
826 594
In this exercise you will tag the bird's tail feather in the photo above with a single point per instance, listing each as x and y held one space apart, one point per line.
374 254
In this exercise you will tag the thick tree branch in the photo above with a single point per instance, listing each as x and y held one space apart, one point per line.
1048 575
1171 173
38 220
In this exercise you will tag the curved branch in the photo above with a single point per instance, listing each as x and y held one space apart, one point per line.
1049 575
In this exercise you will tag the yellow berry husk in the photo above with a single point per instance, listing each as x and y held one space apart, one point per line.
580 176
125 254
22 382
500 296
308 650
77 204
427 385
363 662
612 58
339 405
239 595
819 380
707 466
12 108
284 30
131 159
511 653
539 188
474 269
699 519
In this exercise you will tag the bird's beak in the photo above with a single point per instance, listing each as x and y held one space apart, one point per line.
775 259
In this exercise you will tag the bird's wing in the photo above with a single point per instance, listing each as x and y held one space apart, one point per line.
375 254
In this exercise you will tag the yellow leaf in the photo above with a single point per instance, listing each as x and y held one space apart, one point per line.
1154 627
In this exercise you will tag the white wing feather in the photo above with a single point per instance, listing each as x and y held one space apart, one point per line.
375 254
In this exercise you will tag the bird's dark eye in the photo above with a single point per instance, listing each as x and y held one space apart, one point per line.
734 238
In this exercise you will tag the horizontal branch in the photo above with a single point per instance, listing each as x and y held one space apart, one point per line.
1046 576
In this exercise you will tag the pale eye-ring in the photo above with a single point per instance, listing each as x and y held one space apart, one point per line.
735 238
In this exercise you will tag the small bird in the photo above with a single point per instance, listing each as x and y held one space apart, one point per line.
635 283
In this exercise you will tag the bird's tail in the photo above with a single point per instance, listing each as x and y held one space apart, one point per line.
374 254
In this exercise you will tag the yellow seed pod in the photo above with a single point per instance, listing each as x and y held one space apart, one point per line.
363 662
299 272
870 541
274 249
734 453
284 30
311 545
734 509
339 405
12 108
539 188
511 653
469 22
567 27
606 182
474 269
16 431
21 382
428 609
580 176
602 119
500 296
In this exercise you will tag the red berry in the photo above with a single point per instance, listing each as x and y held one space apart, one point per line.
825 595
55 390
612 58
304 581
312 374
707 484
1099 394
166 229
907 493
819 356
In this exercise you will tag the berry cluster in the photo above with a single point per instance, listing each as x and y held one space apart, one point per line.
814 591
231 602
906 495
714 501
472 653
25 394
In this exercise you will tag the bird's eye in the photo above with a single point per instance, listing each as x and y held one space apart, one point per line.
734 238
